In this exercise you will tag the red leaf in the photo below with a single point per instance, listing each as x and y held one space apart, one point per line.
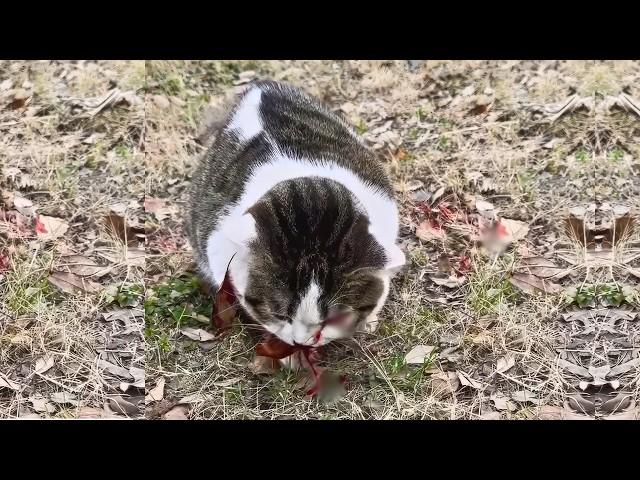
272 347
40 226
224 309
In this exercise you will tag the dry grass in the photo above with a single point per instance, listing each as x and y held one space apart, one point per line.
472 128
73 169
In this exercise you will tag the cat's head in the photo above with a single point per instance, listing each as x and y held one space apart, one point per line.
313 272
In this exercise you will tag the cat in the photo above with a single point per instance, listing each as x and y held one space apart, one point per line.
299 213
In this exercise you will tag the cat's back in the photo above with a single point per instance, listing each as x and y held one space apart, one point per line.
276 132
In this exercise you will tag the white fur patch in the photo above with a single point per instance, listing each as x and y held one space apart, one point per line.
246 119
237 228
307 320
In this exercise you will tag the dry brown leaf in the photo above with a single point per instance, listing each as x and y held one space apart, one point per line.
117 225
156 393
550 412
114 369
179 412
544 268
44 363
467 381
450 282
486 209
40 404
426 232
500 400
531 284
505 363
90 412
71 283
24 206
64 398
5 382
83 266
418 354
157 207
515 230
264 365
50 228
197 334
122 406
445 383
524 396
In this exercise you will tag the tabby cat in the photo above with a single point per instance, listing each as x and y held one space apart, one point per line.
300 216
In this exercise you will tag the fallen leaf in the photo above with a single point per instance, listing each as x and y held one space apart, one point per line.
467 381
161 101
122 406
544 268
5 382
573 368
505 363
427 232
491 416
550 412
83 266
414 185
117 225
450 282
72 283
531 284
136 257
224 310
50 228
515 230
90 412
418 354
445 383
40 404
624 368
193 398
114 369
179 412
272 347
500 400
486 209
197 334
5 263
64 398
156 393
157 207
24 206
524 396
138 379
264 365
44 363
125 315
226 383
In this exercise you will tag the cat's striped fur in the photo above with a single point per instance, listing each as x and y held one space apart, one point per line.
306 212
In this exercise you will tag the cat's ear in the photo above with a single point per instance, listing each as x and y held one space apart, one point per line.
395 258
